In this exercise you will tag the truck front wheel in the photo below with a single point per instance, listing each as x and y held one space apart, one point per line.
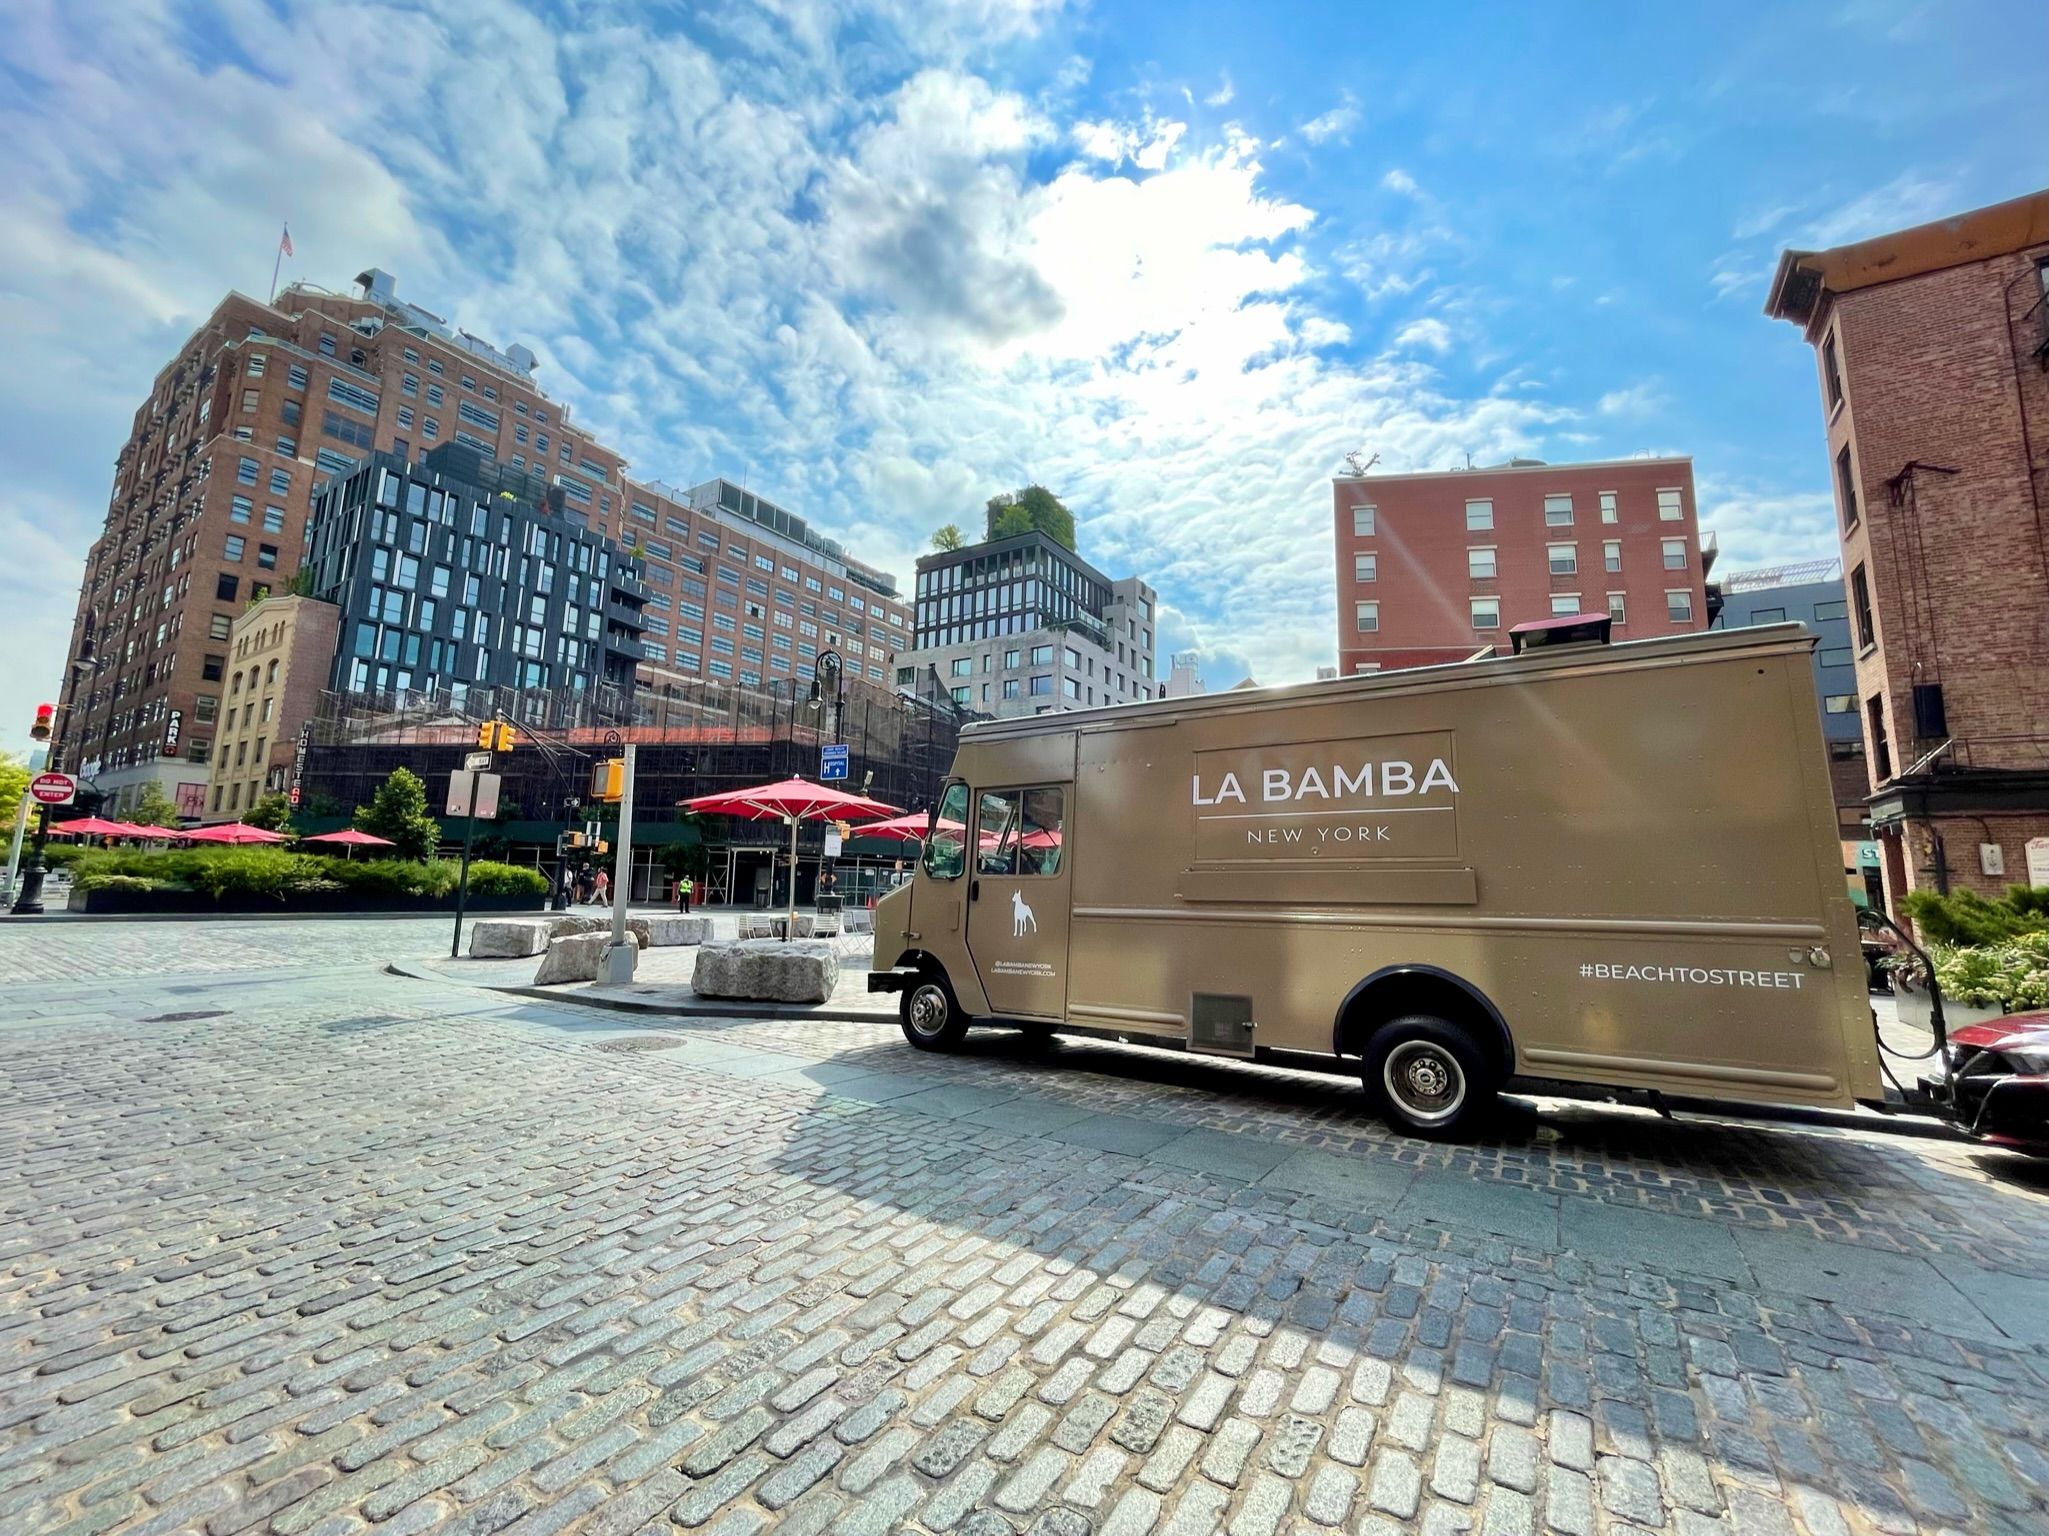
932 1020
1427 1076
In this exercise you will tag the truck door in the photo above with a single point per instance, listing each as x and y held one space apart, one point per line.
1018 896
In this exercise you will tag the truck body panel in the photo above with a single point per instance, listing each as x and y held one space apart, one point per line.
1625 855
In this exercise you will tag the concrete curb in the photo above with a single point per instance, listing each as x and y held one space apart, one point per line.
418 972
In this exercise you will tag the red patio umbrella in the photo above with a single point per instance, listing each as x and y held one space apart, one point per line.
231 832
791 800
92 826
350 839
910 829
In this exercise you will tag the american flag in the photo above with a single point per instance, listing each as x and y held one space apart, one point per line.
284 244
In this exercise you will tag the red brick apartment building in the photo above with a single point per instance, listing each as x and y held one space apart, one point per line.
1930 348
1436 567
265 402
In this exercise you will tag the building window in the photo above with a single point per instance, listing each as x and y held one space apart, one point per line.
1479 516
1768 616
245 471
1486 612
1831 610
211 668
1860 593
1846 488
266 556
1618 613
1679 607
1831 374
1835 656
1839 704
1675 554
234 547
1042 686
1564 559
1611 554
1669 510
1010 688
218 626
1367 616
241 509
1558 510
1563 603
1881 744
1480 563
225 586
1362 522
1608 506
963 666
1365 567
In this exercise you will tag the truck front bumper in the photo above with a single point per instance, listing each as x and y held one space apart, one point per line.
898 979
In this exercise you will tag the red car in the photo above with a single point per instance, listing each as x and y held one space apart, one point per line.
1999 1080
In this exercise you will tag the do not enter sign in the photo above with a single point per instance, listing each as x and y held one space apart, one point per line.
53 788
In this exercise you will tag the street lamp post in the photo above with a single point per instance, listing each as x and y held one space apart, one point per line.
830 666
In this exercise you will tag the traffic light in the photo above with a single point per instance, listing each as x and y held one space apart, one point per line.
46 716
487 733
507 738
608 781
496 736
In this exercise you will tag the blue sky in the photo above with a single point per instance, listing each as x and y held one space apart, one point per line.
886 259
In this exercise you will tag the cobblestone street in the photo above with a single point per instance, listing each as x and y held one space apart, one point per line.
290 1244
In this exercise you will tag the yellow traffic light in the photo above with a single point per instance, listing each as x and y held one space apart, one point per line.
508 738
484 735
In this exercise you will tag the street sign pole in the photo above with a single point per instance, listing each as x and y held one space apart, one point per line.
621 957
49 788
462 880
36 759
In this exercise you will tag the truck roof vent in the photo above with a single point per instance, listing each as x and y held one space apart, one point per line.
1561 629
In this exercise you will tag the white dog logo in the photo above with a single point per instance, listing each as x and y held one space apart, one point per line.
1021 919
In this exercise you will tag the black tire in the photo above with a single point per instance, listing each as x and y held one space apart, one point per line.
1037 1035
931 1016
1428 1077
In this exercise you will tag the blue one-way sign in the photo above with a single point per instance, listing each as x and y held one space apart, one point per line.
832 763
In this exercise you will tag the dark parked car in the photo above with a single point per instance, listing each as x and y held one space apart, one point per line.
1999 1073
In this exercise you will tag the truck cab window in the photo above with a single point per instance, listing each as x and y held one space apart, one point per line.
946 848
1020 832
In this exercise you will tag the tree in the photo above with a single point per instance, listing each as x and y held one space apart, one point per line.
13 782
949 538
1034 507
154 809
398 811
273 813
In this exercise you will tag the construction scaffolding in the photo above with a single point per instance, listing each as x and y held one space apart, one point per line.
694 738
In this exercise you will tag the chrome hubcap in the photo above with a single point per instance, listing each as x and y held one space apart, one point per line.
928 1010
1425 1080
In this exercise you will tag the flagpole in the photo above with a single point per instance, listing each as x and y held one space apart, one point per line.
278 265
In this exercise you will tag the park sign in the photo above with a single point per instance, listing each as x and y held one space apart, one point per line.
53 788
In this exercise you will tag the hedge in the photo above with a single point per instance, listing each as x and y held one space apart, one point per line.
278 874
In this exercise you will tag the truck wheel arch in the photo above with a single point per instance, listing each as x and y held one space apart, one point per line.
1396 990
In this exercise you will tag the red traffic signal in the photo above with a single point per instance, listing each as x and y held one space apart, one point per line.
46 716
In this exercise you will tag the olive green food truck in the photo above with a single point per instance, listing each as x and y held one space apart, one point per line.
1598 864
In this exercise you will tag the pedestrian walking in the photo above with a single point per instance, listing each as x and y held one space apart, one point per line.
601 888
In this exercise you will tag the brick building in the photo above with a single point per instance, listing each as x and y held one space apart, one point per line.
279 652
1435 567
264 403
1930 346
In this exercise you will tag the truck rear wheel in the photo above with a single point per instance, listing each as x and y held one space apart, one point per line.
1427 1076
932 1019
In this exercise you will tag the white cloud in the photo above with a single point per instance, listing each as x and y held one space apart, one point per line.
1908 199
1337 123
879 284
1755 526
1399 180
1639 399
1222 96
1429 333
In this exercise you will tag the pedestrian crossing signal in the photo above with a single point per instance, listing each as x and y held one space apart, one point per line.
608 781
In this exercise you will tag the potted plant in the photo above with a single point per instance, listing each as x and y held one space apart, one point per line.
1976 983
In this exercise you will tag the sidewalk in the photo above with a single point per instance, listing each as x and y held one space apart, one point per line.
661 983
